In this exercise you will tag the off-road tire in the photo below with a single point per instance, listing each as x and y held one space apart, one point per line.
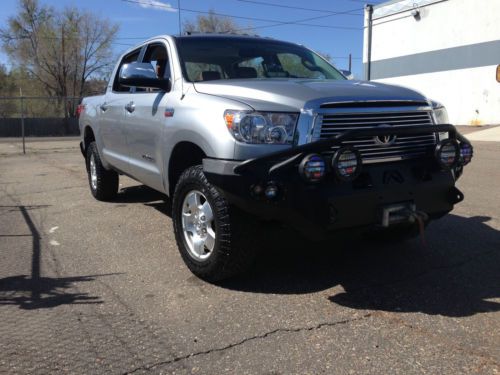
235 248
106 186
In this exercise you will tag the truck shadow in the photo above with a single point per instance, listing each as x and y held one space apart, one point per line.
138 194
147 196
455 274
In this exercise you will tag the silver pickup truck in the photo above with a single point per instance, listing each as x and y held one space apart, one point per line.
241 130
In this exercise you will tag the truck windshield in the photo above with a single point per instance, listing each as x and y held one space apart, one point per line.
215 58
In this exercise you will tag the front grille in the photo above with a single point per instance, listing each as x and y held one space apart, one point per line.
404 147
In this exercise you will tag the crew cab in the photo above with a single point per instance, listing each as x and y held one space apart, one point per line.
240 130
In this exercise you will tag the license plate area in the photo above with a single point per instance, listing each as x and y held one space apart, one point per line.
397 213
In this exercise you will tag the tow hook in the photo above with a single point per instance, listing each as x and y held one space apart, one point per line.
420 217
406 213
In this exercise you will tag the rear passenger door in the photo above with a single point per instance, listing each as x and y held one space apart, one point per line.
145 125
113 119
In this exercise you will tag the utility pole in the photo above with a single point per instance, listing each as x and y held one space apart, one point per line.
368 72
22 119
179 14
350 62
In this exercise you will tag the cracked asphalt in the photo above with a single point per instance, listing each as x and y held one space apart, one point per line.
88 287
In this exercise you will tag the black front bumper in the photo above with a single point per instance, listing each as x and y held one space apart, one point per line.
316 208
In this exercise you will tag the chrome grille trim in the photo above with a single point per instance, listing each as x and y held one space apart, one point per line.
330 124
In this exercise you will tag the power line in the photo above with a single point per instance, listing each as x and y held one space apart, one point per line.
365 1
299 22
293 7
277 22
346 57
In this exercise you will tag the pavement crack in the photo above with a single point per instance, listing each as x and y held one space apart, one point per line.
247 339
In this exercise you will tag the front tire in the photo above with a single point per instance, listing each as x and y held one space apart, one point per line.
212 236
103 183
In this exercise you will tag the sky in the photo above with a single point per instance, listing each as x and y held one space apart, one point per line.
338 35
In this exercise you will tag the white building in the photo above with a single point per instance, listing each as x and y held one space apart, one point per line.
447 49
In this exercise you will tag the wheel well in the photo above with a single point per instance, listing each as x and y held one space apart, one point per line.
88 137
184 155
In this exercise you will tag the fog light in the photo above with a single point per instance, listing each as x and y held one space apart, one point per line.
447 153
256 190
466 153
312 168
346 163
271 191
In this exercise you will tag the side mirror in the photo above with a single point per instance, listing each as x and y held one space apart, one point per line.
347 74
142 75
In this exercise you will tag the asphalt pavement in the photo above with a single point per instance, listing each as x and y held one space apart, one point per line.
88 287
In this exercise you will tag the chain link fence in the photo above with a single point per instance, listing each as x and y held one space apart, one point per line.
38 116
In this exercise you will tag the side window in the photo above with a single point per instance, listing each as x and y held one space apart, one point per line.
156 54
131 57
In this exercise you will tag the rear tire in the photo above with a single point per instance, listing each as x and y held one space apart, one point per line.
103 183
213 237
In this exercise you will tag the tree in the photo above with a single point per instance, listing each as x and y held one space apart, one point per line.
212 23
7 88
326 56
61 50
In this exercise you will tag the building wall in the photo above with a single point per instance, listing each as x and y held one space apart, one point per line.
450 53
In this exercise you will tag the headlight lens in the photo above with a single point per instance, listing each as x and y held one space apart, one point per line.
440 117
261 127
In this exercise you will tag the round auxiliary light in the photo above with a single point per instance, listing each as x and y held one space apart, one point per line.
466 153
346 163
448 153
271 191
312 168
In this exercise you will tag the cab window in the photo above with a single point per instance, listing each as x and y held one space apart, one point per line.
156 54
131 57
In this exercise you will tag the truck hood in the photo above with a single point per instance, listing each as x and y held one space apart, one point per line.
295 94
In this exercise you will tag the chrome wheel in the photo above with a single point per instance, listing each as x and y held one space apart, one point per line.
93 172
198 225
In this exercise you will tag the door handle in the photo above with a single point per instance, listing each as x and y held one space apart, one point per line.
104 107
130 107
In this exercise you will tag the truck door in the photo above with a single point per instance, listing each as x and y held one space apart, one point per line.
146 121
113 117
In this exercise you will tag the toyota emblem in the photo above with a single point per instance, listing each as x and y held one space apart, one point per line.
384 140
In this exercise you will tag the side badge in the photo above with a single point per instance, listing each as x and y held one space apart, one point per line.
169 112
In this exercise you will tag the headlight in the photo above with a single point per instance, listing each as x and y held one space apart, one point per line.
440 117
261 127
